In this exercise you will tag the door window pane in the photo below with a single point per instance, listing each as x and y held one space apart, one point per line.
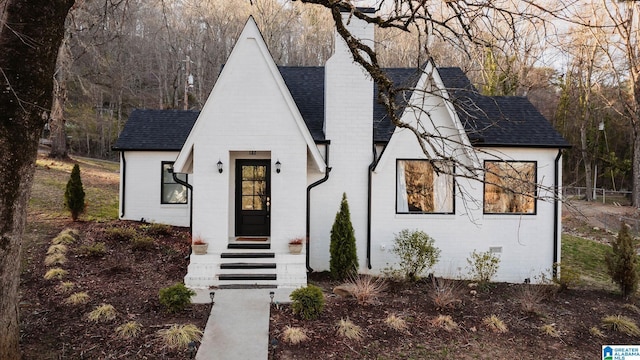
254 184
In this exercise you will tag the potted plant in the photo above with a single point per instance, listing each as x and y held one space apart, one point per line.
295 246
198 246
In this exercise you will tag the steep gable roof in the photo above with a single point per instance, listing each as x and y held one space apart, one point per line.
488 121
498 121
156 130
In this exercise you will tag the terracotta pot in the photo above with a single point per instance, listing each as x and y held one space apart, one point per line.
199 249
295 248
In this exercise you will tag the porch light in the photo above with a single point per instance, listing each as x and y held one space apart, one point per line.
219 164
278 166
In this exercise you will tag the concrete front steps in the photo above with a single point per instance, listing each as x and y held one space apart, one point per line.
246 265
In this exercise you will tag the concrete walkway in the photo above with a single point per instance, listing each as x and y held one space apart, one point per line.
238 326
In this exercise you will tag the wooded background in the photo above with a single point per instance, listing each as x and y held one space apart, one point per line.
573 63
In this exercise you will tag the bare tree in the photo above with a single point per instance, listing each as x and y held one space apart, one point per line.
623 51
30 35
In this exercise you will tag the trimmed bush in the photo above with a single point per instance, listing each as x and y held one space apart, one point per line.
416 251
622 262
176 297
483 266
344 259
308 302
74 194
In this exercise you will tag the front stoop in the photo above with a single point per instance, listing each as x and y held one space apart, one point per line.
246 267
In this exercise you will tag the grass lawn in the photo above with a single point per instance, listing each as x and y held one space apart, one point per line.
586 258
100 180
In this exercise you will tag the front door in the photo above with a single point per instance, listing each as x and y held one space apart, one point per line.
253 197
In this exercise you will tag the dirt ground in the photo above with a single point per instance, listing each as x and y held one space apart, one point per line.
125 277
542 322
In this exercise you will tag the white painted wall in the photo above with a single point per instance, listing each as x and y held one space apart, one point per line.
237 120
526 240
143 189
348 114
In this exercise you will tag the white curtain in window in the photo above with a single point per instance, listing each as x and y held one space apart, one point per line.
443 192
402 203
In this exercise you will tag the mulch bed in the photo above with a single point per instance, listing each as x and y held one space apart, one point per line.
124 277
572 313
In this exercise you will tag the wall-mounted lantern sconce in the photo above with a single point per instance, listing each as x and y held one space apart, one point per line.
219 166
278 166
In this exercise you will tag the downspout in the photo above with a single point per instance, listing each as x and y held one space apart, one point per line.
556 201
372 166
324 179
190 187
124 184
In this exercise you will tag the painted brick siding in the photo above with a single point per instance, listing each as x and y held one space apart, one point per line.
348 114
143 183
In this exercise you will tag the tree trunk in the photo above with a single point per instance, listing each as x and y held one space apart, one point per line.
586 159
635 194
30 34
57 121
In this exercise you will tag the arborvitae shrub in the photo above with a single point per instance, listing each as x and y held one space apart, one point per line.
344 259
176 297
622 262
74 194
417 253
307 302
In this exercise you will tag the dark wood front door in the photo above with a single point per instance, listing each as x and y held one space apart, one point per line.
253 197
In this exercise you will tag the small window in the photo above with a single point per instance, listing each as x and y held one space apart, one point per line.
424 187
172 192
510 187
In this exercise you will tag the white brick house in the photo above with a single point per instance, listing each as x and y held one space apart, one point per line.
274 149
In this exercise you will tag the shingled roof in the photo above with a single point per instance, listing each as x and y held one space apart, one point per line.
488 121
156 130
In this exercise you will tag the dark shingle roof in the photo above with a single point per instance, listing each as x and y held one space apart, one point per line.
498 120
488 121
157 130
306 85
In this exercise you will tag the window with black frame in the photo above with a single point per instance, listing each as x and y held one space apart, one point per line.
171 191
424 187
510 187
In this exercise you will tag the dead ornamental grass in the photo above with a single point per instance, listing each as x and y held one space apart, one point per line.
349 330
621 324
102 313
396 323
495 324
129 330
55 259
444 322
445 294
179 336
77 298
55 273
57 249
294 335
366 289
549 330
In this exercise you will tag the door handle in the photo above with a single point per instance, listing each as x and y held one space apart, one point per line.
268 205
